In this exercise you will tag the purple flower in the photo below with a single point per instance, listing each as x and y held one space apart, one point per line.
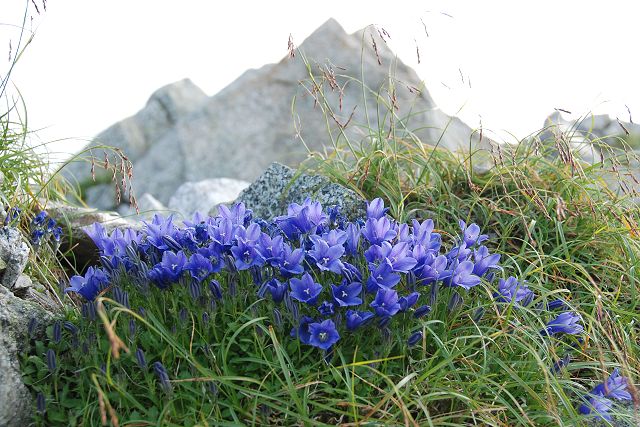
513 291
615 387
169 270
302 332
290 262
423 235
327 257
597 405
237 215
567 322
324 334
271 249
347 294
414 338
376 209
305 289
398 256
199 266
462 275
39 219
353 239
484 261
89 286
386 302
355 319
245 252
408 301
277 290
471 234
162 375
379 230
382 277
433 269
326 309
423 310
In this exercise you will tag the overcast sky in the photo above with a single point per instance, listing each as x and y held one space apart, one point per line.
507 63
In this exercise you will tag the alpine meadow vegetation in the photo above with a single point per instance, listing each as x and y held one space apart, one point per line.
501 295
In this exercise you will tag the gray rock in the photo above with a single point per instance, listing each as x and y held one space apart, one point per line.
202 196
136 134
248 125
14 254
148 206
15 315
279 185
101 196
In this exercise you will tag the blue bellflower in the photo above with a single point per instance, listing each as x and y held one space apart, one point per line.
355 319
347 294
89 286
324 334
566 322
386 303
511 290
305 289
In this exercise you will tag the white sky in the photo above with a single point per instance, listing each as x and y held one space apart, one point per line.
93 63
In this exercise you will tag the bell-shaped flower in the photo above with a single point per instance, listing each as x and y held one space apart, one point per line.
566 322
89 285
327 257
199 266
347 294
379 230
462 275
615 387
376 209
471 234
355 319
277 290
433 269
386 303
353 239
511 290
324 334
305 289
484 261
382 277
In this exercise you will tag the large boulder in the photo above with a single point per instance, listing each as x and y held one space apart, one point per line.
135 135
279 186
249 124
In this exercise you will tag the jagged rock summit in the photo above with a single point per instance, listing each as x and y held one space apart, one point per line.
275 113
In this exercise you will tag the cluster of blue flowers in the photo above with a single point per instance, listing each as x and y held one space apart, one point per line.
331 275
43 227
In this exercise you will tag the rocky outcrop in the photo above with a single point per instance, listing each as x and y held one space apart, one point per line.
252 122
26 308
19 320
273 191
14 254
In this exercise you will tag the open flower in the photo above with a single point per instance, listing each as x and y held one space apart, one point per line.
305 289
347 294
386 303
567 322
355 319
324 334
